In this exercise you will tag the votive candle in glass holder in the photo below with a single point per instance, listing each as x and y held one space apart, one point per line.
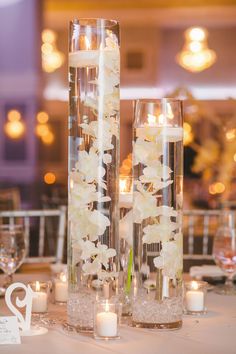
61 289
40 296
195 297
106 319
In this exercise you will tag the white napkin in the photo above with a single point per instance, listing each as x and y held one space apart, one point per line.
206 271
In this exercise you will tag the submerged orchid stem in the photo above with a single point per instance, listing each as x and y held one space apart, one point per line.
129 272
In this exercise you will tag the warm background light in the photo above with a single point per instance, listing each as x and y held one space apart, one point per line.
48 138
49 178
230 134
216 188
43 129
188 134
13 115
14 127
42 117
52 58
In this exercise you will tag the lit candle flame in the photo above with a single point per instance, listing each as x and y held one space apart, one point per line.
107 306
37 286
123 186
170 114
87 43
152 120
161 119
63 277
194 285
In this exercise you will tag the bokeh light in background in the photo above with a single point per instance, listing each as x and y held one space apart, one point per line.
216 188
52 58
43 130
42 117
49 178
14 127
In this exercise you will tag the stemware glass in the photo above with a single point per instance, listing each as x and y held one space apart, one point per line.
12 251
224 251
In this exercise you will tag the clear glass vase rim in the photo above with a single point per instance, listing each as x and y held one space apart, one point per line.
158 100
110 22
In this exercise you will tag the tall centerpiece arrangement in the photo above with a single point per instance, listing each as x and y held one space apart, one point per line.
157 214
93 213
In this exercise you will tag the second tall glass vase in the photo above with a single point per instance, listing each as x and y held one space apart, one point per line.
157 214
93 213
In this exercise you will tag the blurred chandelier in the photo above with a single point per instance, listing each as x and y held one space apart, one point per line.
195 55
52 58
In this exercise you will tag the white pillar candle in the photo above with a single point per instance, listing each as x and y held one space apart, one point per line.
40 301
61 291
195 300
106 323
61 288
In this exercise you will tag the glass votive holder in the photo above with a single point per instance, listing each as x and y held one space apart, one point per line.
195 297
61 289
40 296
107 314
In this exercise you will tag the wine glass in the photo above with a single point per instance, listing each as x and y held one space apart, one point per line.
224 251
12 251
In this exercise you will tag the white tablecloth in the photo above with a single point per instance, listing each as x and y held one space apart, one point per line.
214 333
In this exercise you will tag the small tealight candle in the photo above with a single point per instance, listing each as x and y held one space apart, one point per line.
195 292
40 297
61 289
106 319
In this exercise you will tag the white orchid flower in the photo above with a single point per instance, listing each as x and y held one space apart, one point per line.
146 152
157 170
170 259
90 166
104 254
83 193
101 132
87 223
160 232
167 211
144 206
148 132
152 234
112 80
112 104
97 224
104 275
87 248
91 268
126 228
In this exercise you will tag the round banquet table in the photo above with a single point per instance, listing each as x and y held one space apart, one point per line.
213 333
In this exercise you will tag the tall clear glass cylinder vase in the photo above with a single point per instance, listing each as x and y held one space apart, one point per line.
157 214
93 213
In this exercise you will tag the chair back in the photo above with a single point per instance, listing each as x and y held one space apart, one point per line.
199 228
50 238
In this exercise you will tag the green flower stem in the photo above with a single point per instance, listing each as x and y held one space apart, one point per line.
129 272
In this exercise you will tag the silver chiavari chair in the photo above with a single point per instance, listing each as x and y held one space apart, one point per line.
27 218
199 228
